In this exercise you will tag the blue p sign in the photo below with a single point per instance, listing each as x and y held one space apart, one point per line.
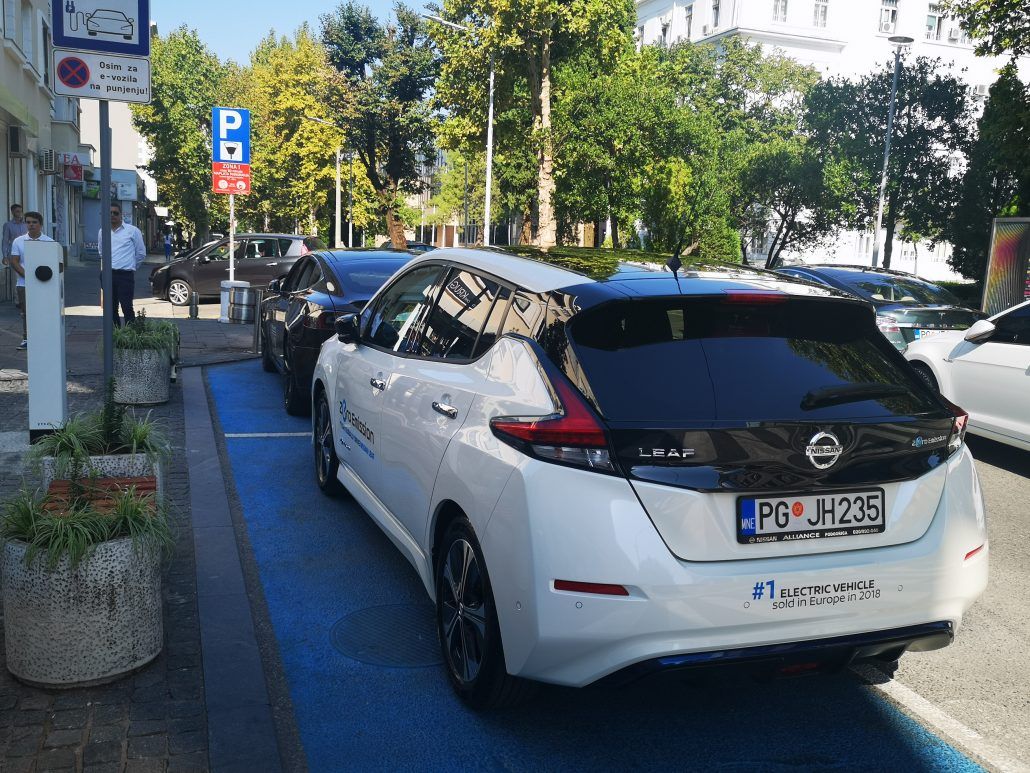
230 141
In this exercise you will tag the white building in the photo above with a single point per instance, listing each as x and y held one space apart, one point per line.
837 37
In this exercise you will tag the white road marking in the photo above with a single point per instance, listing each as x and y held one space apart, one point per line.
940 721
265 434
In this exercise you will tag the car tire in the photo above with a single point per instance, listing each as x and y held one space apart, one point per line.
466 622
927 376
295 400
326 461
179 292
267 363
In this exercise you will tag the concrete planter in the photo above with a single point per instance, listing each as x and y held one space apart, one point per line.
88 625
141 376
110 466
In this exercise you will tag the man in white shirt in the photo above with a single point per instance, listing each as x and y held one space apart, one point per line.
34 233
127 252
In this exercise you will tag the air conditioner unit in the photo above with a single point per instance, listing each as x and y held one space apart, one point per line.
954 33
47 161
980 89
17 144
887 27
705 29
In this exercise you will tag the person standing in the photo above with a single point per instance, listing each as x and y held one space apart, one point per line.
168 248
127 252
34 233
13 228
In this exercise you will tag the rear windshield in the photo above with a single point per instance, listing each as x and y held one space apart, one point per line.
364 278
690 359
897 289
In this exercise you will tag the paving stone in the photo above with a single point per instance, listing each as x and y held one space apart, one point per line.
158 692
19 764
188 763
183 743
105 733
147 727
72 699
52 759
106 767
116 712
29 718
187 724
147 746
109 751
153 765
179 709
69 718
57 738
158 710
33 701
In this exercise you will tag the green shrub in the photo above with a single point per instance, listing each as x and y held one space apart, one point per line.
144 333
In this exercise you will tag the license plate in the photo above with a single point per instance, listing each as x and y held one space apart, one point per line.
810 516
927 333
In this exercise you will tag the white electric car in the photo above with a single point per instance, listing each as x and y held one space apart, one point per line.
987 370
608 476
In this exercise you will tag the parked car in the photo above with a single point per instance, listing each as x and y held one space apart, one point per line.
109 22
907 308
260 258
608 478
987 369
416 246
298 313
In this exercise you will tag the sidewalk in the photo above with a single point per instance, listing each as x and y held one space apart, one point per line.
174 715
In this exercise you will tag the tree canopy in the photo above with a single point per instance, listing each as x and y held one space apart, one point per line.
999 26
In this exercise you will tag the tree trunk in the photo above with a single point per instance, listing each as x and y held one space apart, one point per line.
888 241
547 228
395 229
615 230
526 234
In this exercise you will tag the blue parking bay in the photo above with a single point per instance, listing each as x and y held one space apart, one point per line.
321 561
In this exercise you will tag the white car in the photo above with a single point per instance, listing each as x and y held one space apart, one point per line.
641 471
986 370
107 22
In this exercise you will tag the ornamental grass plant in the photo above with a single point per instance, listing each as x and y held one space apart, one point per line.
73 525
143 333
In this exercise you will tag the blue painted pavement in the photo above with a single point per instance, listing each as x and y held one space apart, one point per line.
320 560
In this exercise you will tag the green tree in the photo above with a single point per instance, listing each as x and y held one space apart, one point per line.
803 197
387 73
526 41
996 182
999 25
932 129
186 82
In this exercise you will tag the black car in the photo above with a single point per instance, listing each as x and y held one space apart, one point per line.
299 312
259 259
907 307
416 246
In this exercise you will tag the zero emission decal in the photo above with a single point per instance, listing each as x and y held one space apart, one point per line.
349 419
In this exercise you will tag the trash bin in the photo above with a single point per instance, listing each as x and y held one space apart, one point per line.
242 301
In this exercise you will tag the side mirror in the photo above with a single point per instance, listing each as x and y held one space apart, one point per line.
347 328
979 331
275 287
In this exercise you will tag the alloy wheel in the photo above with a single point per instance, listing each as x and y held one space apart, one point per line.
323 442
179 292
464 611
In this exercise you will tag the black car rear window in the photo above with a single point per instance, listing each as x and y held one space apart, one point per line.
363 279
884 288
708 359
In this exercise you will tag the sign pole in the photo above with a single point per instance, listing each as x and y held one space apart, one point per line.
105 240
232 237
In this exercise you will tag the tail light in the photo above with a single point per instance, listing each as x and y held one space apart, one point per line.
320 320
958 427
573 435
887 324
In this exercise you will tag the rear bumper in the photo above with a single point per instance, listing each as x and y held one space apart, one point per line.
555 523
834 652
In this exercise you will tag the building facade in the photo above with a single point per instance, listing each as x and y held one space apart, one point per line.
42 161
837 37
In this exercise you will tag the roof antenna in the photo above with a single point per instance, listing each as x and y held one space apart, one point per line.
675 264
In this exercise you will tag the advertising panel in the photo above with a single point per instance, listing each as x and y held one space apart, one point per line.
1008 268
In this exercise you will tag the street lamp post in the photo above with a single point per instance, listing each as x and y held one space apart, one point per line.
337 239
900 42
337 236
489 132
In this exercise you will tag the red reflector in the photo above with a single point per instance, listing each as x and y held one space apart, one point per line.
754 296
591 587
577 427
972 553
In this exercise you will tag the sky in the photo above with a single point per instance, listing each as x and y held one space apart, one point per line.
232 28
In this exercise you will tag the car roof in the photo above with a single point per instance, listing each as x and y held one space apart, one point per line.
625 279
339 256
836 269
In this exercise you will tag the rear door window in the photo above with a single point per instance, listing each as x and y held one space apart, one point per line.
453 326
672 360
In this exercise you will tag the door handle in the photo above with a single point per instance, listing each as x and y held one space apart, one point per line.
377 383
271 264
447 410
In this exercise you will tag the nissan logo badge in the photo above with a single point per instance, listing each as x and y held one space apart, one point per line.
823 450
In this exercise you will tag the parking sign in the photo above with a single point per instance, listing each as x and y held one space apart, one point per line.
230 141
103 26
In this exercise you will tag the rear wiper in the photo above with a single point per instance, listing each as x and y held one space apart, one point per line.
849 393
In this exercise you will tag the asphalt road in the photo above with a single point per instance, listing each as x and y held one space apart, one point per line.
322 563
983 679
